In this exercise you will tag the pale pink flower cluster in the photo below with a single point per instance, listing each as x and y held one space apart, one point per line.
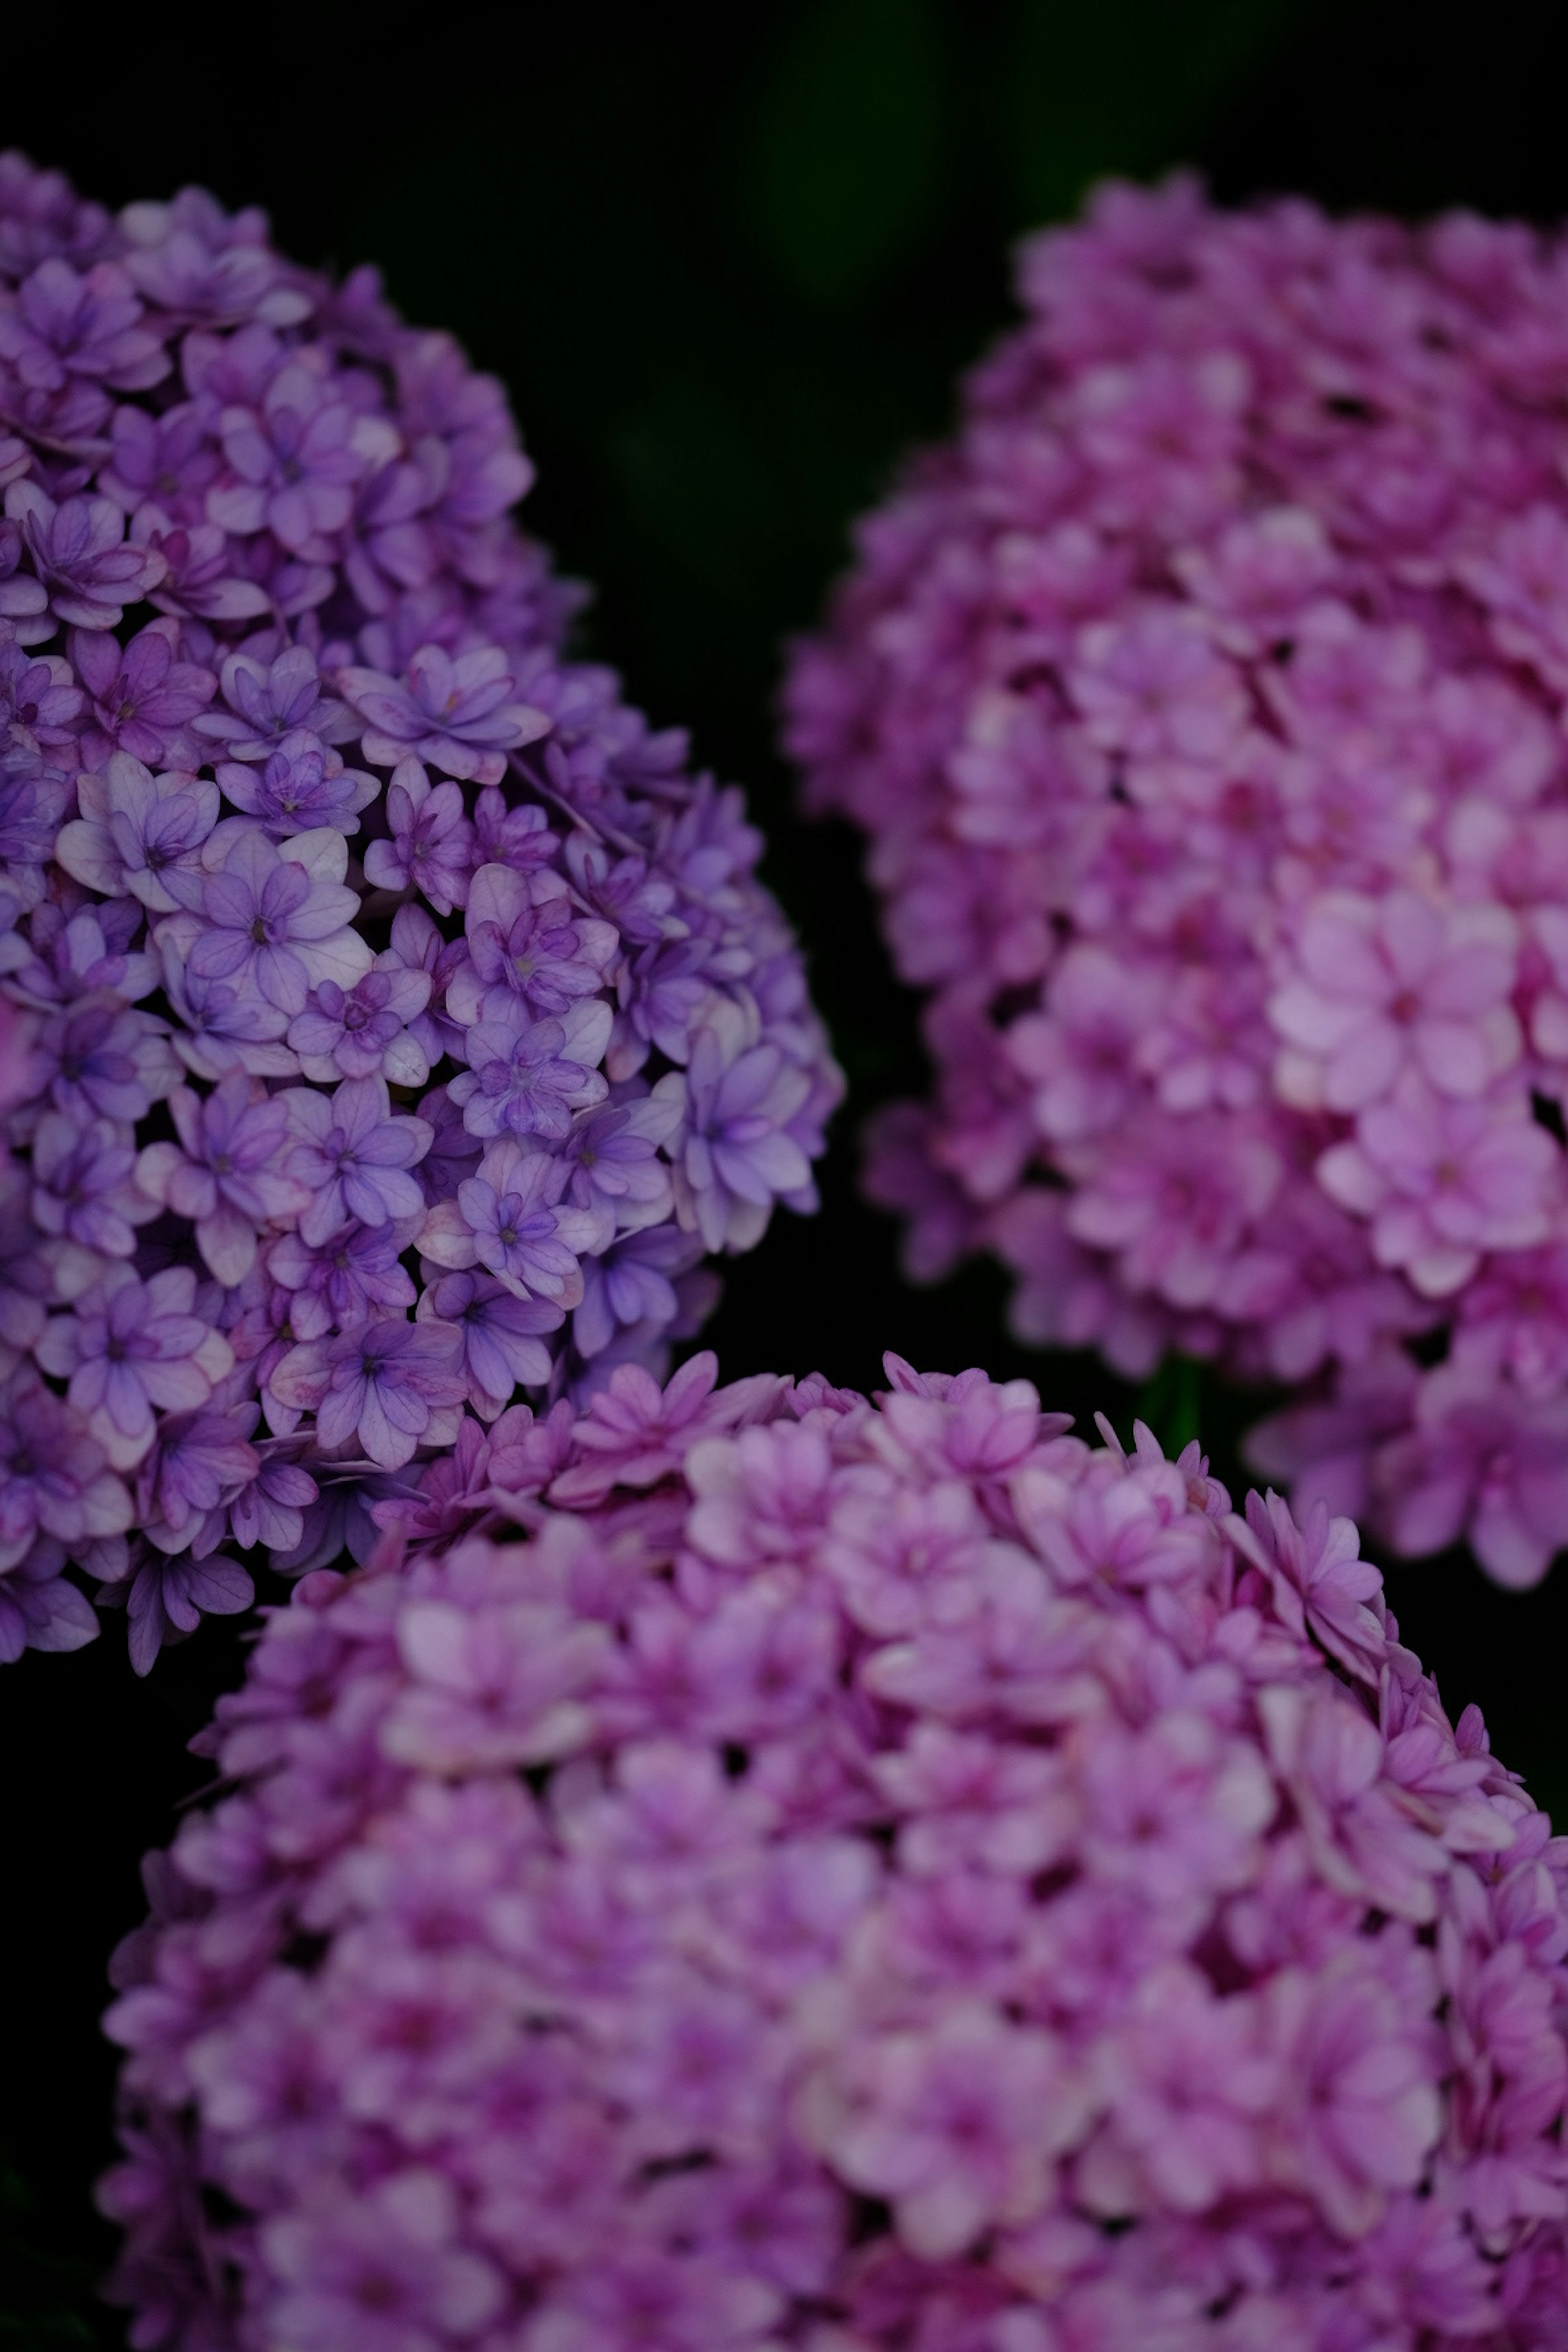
1204 703
751 1868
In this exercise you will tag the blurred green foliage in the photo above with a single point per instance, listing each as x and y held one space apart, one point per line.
850 141
48 2300
1124 86
731 270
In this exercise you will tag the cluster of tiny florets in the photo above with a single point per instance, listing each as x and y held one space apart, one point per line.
748 1868
1204 703
388 1020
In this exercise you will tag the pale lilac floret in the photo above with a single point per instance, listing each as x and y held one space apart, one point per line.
137 830
63 325
521 1230
457 714
169 1596
342 1280
1385 986
353 1156
265 920
292 460
102 1059
531 944
1485 1463
736 1154
613 1155
227 1173
614 1907
38 694
233 841
128 1349
75 955
383 1383
84 1187
503 1330
634 1282
528 1076
1442 1181
222 1027
54 1475
40 1608
364 1031
1203 704
165 459
142 696
431 840
82 557
267 702
302 785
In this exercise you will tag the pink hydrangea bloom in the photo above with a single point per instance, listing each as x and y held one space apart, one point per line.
754 1867
333 872
1203 704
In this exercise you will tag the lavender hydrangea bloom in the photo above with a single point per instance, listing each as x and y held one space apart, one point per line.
526 1078
527 941
520 1232
199 1463
613 1154
80 954
764 1852
39 695
1204 705
324 901
292 460
222 1028
64 324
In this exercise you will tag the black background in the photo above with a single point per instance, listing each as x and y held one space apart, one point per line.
729 263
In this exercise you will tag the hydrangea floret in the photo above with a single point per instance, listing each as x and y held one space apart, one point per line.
1204 704
745 1868
388 1019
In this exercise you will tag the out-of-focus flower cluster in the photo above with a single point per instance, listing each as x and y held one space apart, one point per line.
746 1868
1204 703
387 1018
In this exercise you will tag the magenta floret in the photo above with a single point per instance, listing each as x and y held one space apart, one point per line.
1204 704
335 899
745 1868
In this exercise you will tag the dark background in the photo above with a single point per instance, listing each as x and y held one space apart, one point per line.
729 263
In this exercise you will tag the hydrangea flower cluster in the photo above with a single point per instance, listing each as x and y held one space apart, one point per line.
746 1868
1204 703
387 1018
